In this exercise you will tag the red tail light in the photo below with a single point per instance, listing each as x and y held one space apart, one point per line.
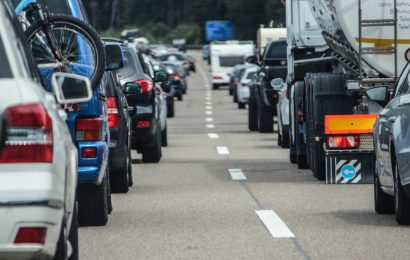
29 135
300 117
146 85
143 124
343 142
186 63
113 115
89 152
88 129
236 84
217 78
175 77
31 235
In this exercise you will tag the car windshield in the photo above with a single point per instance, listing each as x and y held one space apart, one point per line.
5 71
277 51
130 66
230 61
172 57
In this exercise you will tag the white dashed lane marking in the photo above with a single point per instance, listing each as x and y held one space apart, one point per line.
275 225
237 175
222 150
210 126
208 113
213 136
209 119
208 108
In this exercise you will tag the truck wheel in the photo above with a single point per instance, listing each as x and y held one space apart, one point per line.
401 202
164 137
285 137
153 154
265 119
119 179
300 146
252 114
215 86
93 204
383 203
73 235
241 105
308 119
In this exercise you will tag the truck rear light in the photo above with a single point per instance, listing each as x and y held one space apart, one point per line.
300 117
88 129
89 152
343 142
146 85
143 124
31 235
113 115
29 135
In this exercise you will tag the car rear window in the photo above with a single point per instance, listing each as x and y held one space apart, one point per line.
170 69
172 57
130 66
277 51
5 71
231 61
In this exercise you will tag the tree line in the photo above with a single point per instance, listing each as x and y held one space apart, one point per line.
165 19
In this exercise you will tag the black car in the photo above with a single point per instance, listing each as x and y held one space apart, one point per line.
120 163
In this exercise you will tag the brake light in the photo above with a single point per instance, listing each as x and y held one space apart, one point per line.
113 115
29 135
217 78
88 129
143 124
146 85
175 77
89 152
31 235
185 63
343 142
300 117
235 84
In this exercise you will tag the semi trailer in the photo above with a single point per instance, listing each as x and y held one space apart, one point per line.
339 52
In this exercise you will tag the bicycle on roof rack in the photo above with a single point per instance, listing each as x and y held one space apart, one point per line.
62 43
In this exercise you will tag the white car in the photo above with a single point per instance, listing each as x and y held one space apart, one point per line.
38 162
283 111
242 89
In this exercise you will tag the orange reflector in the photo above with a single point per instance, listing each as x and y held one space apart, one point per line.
349 124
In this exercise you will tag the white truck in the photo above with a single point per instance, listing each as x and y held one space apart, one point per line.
266 35
224 56
337 51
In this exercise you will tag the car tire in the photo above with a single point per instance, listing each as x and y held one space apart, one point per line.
230 91
180 97
265 119
153 154
279 141
93 204
109 200
215 86
252 114
292 154
171 109
241 105
73 235
285 137
383 203
61 250
164 137
119 180
401 202
130 178
235 96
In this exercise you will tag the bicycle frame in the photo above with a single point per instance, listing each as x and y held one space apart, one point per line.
23 4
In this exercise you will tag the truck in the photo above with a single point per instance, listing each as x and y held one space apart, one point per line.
337 52
266 35
224 56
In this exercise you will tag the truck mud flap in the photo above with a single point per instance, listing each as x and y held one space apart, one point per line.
354 167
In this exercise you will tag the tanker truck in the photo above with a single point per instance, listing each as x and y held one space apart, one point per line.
338 52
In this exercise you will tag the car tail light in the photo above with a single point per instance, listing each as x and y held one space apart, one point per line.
175 77
29 135
89 152
217 78
275 97
300 117
113 115
31 235
343 142
287 95
235 84
186 63
146 85
88 129
143 124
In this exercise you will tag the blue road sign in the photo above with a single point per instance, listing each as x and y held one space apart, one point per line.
219 31
348 172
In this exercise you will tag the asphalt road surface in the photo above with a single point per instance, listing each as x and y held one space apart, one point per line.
221 192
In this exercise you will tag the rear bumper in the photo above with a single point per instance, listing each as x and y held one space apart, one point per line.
220 79
144 137
91 170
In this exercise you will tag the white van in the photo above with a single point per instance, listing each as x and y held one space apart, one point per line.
224 56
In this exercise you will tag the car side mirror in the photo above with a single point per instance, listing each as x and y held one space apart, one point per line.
380 95
277 84
132 88
161 76
114 57
71 88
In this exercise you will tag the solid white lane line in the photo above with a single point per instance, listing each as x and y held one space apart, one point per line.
209 98
237 175
210 126
208 112
208 107
209 119
222 150
275 225
213 136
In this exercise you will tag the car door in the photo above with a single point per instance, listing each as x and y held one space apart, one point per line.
386 123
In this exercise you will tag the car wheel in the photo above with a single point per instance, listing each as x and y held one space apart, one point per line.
252 115
130 179
179 97
93 204
235 96
171 109
285 137
265 120
401 202
279 140
109 201
215 86
153 154
241 105
119 180
164 137
73 235
383 203
61 250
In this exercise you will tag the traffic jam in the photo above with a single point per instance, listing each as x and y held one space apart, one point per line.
293 144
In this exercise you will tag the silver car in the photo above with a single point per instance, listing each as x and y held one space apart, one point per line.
282 108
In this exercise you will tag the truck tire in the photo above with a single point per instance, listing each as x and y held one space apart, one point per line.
252 114
164 137
153 154
307 104
297 105
119 179
383 203
93 204
329 97
265 119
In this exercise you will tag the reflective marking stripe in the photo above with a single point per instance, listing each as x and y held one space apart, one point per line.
237 174
213 136
222 150
349 124
275 225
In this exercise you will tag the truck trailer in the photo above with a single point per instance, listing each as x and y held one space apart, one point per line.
338 51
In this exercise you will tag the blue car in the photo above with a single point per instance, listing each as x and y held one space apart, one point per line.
89 129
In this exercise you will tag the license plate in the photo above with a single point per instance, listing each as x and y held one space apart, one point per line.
144 110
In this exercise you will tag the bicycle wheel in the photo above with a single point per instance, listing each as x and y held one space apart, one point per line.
76 48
